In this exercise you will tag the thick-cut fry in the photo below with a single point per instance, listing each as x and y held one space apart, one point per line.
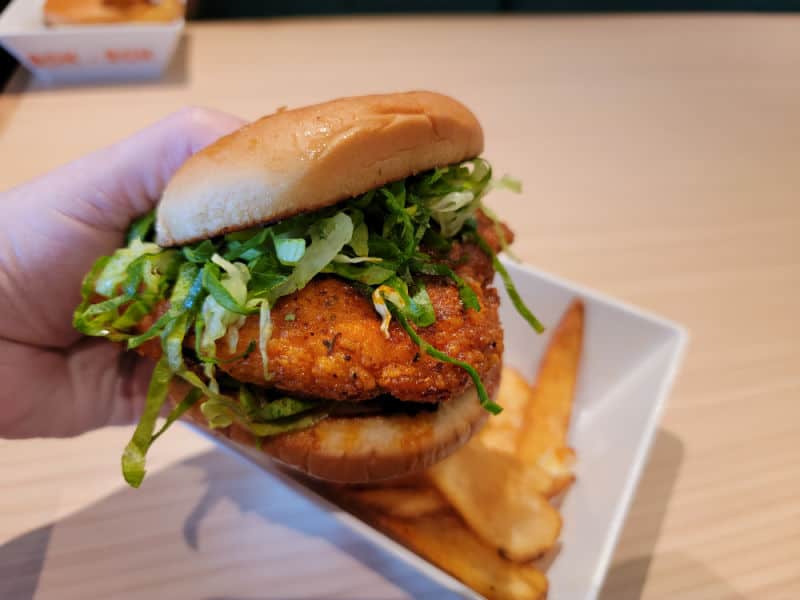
544 437
502 432
405 503
559 464
505 433
446 541
500 499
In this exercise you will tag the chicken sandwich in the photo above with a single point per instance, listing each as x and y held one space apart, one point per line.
319 284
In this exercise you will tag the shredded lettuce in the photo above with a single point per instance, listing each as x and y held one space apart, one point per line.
262 420
173 341
225 307
264 333
200 253
191 398
418 308
498 230
87 290
282 408
228 290
133 458
516 299
448 211
368 275
294 423
115 270
290 250
183 298
468 296
140 227
343 258
207 290
328 237
359 241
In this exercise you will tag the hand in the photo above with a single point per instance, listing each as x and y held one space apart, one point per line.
53 381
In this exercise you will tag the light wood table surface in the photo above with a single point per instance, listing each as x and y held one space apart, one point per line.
661 161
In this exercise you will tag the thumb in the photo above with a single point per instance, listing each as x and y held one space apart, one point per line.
108 188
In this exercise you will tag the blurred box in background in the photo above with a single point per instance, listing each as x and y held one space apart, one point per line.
92 52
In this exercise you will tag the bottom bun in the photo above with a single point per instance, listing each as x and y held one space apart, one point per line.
368 448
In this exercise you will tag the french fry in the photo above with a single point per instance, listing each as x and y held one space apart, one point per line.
501 499
404 503
543 441
502 432
447 542
559 464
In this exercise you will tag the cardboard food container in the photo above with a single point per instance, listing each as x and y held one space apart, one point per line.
81 53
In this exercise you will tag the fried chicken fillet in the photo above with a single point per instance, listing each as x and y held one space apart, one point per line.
327 343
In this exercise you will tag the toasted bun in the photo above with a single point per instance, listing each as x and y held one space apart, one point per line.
305 159
369 448
96 12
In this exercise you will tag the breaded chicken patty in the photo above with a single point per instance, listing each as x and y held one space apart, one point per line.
327 342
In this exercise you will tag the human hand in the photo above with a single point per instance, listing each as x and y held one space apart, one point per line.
52 229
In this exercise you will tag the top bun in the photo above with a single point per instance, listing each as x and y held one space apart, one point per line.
305 159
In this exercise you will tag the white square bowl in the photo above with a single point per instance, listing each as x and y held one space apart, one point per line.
84 53
629 362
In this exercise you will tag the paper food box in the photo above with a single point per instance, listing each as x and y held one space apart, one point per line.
80 53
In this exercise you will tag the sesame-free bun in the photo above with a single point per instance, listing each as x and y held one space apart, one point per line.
368 448
302 160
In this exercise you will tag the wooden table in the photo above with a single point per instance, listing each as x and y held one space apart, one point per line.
661 158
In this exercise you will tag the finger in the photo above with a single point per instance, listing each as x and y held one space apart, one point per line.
110 187
69 393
